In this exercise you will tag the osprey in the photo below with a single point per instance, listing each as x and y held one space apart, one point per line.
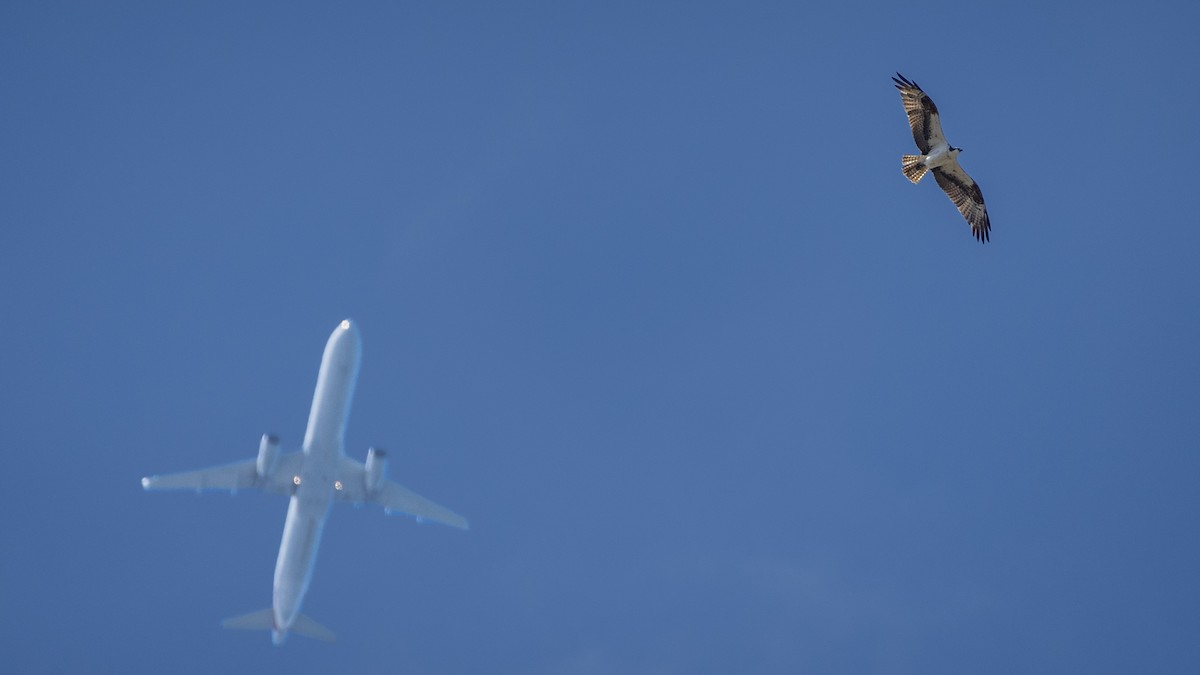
940 157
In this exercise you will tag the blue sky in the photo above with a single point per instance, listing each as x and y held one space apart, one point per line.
644 294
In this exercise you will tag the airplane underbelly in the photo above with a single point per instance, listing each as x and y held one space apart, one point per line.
297 558
335 389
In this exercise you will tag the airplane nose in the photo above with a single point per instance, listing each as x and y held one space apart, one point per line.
346 340
348 329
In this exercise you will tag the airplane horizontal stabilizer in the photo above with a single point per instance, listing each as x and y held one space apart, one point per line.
304 625
263 619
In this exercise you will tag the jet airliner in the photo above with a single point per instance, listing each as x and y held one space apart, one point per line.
314 477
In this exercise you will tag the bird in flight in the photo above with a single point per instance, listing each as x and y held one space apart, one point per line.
939 157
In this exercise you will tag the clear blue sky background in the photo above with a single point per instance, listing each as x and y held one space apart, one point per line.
644 294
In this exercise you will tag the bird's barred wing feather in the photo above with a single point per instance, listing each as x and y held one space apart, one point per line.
922 115
967 196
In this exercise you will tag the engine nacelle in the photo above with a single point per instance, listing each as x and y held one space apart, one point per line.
268 455
376 467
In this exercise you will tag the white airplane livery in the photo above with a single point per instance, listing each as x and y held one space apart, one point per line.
314 477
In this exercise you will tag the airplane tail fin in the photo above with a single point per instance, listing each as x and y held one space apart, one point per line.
913 167
264 619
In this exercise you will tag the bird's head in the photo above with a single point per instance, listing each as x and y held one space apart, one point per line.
954 150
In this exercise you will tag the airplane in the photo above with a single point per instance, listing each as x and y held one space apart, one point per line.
314 477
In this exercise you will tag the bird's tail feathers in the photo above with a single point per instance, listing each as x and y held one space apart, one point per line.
913 167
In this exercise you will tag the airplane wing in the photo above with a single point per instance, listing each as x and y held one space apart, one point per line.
231 477
393 497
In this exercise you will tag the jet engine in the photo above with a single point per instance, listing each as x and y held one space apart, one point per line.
376 467
268 455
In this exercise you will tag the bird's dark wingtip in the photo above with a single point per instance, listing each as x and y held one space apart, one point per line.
903 82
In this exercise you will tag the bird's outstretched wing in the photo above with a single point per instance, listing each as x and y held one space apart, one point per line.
967 196
922 115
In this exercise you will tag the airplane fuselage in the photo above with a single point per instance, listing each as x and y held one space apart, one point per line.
316 482
312 478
